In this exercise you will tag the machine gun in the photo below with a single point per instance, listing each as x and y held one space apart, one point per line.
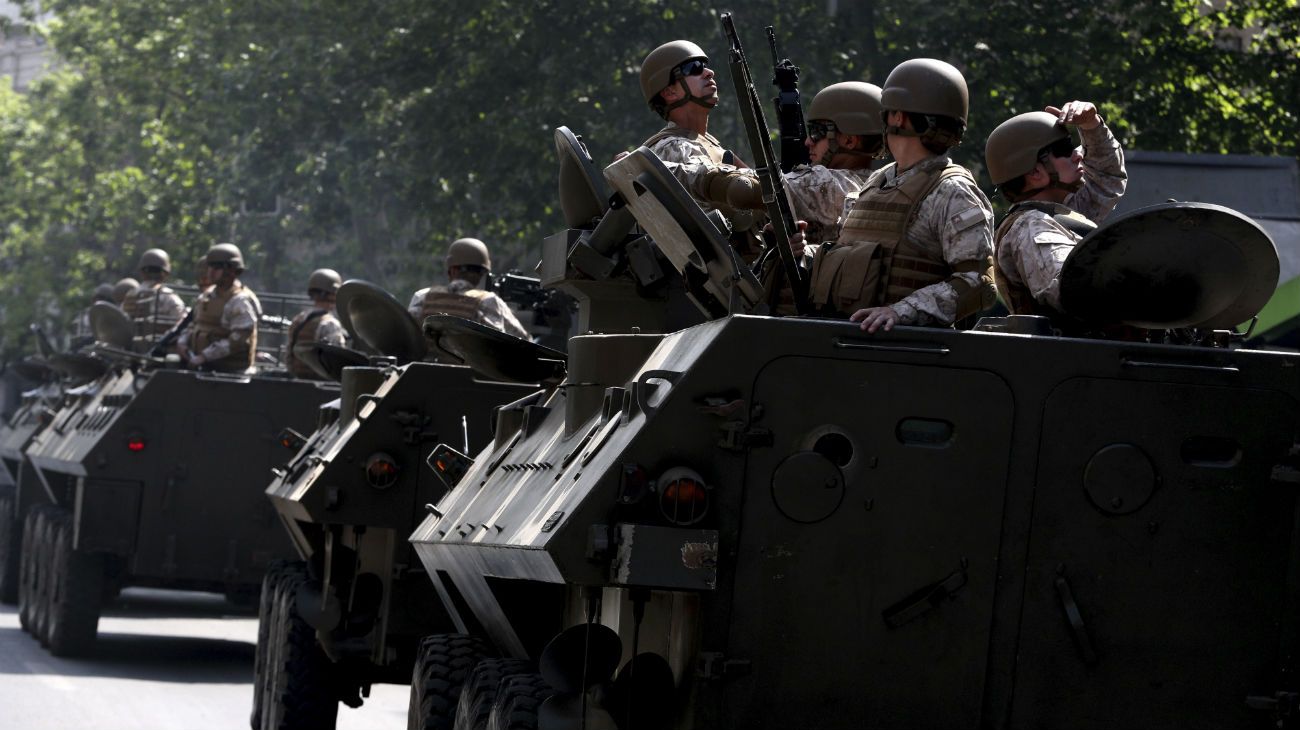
789 110
779 214
551 308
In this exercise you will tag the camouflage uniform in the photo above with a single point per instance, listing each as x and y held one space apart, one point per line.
154 308
481 306
228 342
1032 245
952 224
312 326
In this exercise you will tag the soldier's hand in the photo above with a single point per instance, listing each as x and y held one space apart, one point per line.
620 156
1081 114
875 318
797 243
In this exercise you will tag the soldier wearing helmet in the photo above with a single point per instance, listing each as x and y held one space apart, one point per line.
466 295
82 334
1057 191
679 86
223 334
153 307
124 288
317 324
916 244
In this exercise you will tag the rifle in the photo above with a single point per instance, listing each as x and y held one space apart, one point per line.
779 214
160 347
789 111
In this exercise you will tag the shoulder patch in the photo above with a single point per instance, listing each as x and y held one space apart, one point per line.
967 218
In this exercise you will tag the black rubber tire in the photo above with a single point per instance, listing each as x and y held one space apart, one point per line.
75 588
27 572
11 544
517 700
442 664
44 572
274 572
301 679
480 690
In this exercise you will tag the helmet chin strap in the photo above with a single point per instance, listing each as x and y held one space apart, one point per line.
1053 183
690 98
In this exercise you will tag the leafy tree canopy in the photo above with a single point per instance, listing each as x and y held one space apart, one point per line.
366 134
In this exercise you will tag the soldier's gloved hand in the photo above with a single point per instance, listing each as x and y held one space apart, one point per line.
745 193
1081 114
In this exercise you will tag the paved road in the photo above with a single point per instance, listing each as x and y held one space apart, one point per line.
163 660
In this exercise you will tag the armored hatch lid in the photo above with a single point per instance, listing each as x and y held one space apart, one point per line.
1171 265
698 247
583 193
78 367
327 360
33 368
111 325
493 353
372 316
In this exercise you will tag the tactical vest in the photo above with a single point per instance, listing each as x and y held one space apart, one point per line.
142 307
465 304
712 147
208 328
302 332
873 263
1016 295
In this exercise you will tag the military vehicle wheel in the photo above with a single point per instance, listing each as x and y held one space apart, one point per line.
442 664
274 573
11 544
517 700
42 572
300 678
27 572
75 588
480 690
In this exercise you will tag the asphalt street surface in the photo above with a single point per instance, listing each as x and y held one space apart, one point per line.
163 659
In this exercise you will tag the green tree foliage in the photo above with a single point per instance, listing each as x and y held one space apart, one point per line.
365 134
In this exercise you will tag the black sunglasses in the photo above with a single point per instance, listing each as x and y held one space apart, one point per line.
694 67
1063 147
220 265
818 129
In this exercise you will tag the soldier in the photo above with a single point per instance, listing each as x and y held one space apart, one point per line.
468 264
82 335
223 335
123 289
317 324
153 307
679 86
1057 191
916 246
845 137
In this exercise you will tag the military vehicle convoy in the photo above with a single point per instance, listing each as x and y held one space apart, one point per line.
352 611
149 476
992 528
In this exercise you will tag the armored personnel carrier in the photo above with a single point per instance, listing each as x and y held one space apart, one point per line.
792 523
351 612
151 476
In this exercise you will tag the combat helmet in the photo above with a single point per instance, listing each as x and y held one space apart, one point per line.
468 252
325 280
657 72
1017 144
156 258
854 108
123 288
225 252
103 293
930 88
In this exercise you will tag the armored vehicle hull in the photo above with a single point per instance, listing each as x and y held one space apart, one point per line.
153 479
349 499
791 523
32 414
